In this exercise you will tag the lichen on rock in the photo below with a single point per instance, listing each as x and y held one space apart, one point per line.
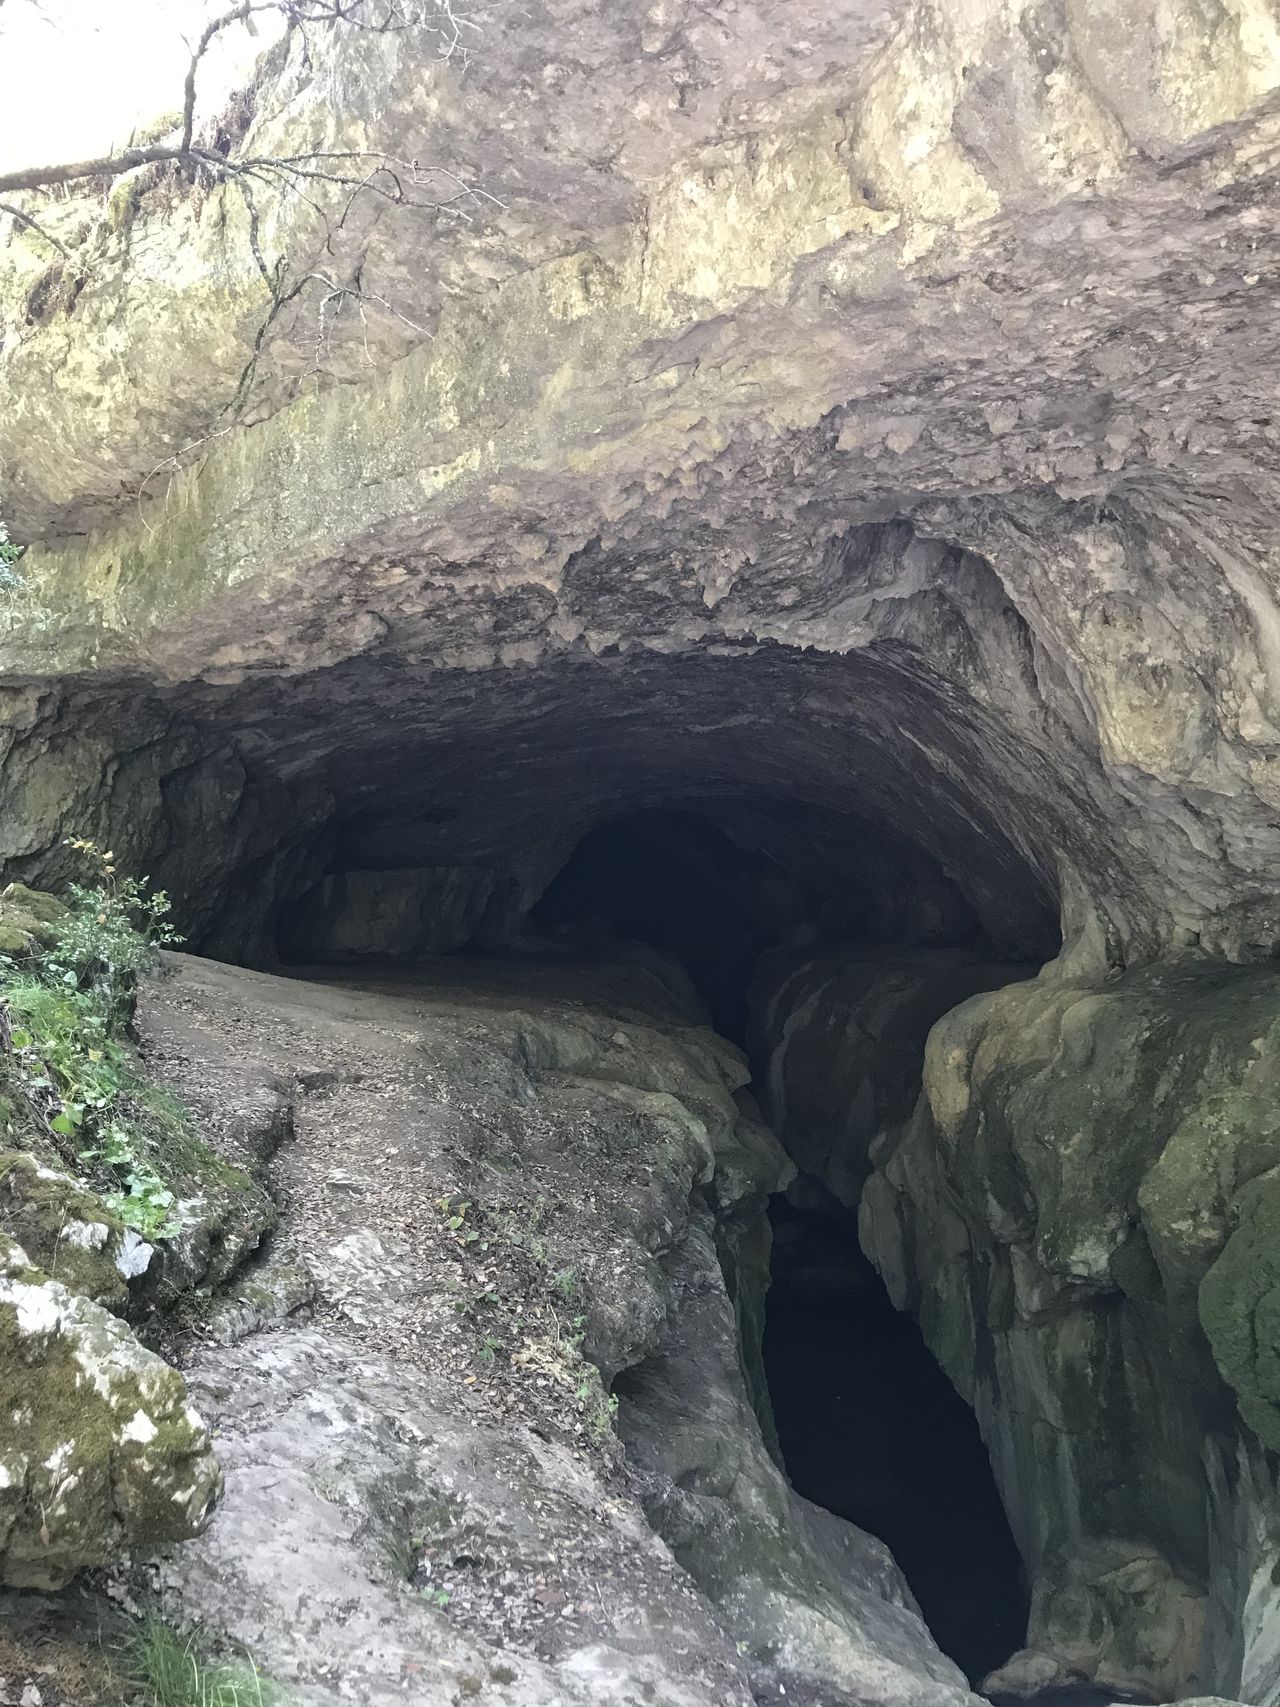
29 920
1080 1211
69 1231
855 424
102 1452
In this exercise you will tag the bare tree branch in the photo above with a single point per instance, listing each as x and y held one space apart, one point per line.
33 224
312 178
438 17
106 166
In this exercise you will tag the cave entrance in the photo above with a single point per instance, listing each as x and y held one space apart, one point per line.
871 1428
678 882
711 888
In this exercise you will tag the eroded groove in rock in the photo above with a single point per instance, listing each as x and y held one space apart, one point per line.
1066 1211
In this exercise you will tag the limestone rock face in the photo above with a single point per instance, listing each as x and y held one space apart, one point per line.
437 1439
1076 1211
841 1036
28 920
69 1231
101 1451
778 1567
853 420
862 407
423 911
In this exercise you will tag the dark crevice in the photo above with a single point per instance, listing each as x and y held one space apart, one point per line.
871 1428
868 1424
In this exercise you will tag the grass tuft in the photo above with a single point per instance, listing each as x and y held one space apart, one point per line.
168 1668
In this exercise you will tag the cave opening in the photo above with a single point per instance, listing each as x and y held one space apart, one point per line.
864 1420
867 1423
870 1427
691 828
676 881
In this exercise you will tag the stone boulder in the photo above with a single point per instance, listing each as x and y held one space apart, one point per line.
101 1451
69 1231
29 920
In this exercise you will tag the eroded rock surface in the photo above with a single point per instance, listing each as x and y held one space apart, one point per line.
1075 1210
101 1450
502 1189
855 423
824 376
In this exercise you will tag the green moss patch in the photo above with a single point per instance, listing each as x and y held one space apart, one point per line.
101 1451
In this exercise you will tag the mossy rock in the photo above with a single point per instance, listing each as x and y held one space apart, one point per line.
29 920
69 1231
101 1454
224 1215
1240 1309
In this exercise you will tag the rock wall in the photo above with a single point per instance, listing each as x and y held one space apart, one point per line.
854 421
505 1177
899 371
1074 1210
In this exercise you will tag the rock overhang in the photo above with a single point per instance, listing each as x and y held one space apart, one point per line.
857 373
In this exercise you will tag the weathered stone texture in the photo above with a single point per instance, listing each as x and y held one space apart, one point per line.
596 1140
857 420
101 1450
980 276
1076 1211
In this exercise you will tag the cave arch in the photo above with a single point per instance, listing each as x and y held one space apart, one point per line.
721 841
900 810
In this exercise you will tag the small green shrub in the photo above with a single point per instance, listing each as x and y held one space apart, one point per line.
167 1668
68 1011
110 936
10 580
489 1348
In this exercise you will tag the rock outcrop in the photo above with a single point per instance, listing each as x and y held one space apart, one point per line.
867 413
502 1190
1075 1210
852 423
101 1451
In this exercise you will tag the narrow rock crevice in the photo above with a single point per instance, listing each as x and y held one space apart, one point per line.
871 1429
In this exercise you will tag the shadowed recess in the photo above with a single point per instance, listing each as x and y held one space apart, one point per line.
871 1428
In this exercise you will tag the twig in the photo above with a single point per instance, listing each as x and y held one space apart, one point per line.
34 225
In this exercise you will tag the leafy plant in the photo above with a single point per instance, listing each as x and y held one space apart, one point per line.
113 929
168 1669
490 1346
598 1407
454 1212
63 1050
471 1301
10 580
68 1012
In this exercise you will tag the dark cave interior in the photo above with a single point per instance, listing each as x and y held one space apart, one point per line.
714 897
872 1429
869 1425
680 884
